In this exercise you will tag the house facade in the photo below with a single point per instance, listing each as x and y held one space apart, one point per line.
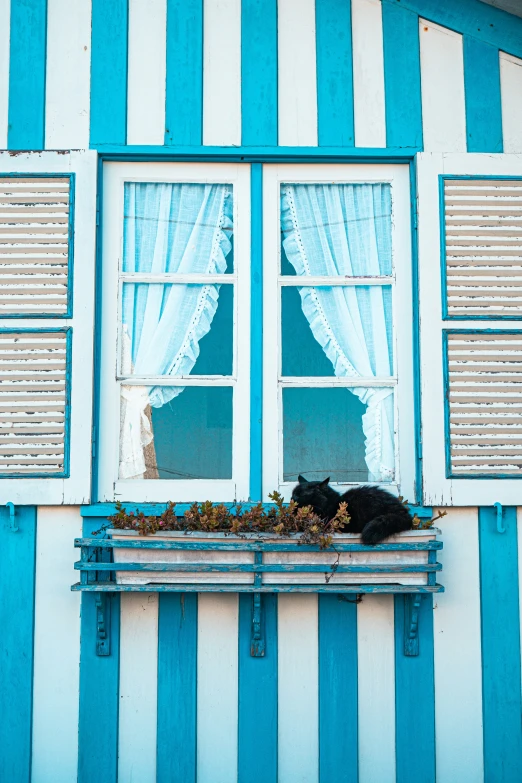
243 240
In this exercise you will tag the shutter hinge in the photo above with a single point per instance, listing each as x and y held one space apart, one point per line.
97 209
93 447
415 218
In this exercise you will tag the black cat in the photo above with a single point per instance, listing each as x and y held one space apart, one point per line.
374 512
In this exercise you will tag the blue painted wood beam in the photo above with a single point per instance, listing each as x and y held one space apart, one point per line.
99 692
259 72
257 697
184 88
333 24
338 689
482 94
415 697
27 59
109 55
402 76
17 582
256 334
500 632
177 689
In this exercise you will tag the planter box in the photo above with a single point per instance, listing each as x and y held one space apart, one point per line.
285 563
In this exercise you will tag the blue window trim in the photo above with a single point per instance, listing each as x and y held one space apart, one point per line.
67 330
259 156
70 243
442 226
445 371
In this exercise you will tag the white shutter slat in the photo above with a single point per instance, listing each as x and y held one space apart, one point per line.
34 246
484 391
33 364
483 239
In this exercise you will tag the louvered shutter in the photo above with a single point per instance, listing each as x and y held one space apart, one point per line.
470 286
47 263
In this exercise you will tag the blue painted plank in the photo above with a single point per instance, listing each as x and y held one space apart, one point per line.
109 72
500 631
402 79
177 676
17 575
234 588
415 699
482 93
28 40
99 692
155 509
184 89
257 708
338 706
259 72
471 17
256 332
333 24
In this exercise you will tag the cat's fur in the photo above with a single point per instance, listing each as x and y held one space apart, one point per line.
374 513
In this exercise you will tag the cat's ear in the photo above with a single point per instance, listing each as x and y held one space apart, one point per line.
302 480
325 483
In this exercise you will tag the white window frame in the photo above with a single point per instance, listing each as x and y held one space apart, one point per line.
162 490
438 489
398 177
76 487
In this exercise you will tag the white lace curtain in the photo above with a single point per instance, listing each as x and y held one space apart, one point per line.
168 228
346 230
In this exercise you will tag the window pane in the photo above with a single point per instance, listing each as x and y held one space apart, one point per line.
337 330
323 434
177 228
185 432
342 229
177 329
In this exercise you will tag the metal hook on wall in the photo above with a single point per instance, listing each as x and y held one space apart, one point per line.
500 520
13 524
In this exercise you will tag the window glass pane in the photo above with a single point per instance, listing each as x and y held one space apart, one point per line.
337 330
325 434
342 229
177 329
185 432
177 228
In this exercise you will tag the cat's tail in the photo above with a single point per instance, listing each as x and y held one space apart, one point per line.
383 526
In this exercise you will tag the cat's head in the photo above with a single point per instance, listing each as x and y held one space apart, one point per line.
317 494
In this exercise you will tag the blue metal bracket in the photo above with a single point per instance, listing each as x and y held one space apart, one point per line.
500 519
412 604
257 642
13 524
103 623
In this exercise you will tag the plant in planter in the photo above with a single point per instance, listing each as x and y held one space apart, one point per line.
279 544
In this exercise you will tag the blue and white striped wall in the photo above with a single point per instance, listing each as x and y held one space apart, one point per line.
180 699
334 73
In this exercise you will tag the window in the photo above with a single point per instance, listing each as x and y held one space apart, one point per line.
337 359
176 331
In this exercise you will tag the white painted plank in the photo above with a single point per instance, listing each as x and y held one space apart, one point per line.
511 92
217 688
457 649
376 686
297 81
56 647
147 69
5 15
222 72
138 688
368 74
442 83
298 745
68 74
